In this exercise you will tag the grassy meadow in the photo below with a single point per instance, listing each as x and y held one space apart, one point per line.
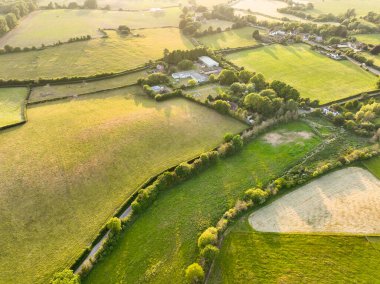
216 23
314 75
248 256
12 105
60 91
265 7
162 241
229 39
50 26
338 7
103 55
66 171
373 165
373 39
202 92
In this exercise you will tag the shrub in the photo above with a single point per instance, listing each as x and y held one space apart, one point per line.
221 106
208 237
66 276
257 195
183 170
209 252
194 273
185 64
114 224
228 137
237 142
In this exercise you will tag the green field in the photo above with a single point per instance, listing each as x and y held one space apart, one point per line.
265 7
314 75
201 93
216 23
229 39
373 39
65 172
12 105
49 92
338 7
51 26
85 58
247 256
373 165
162 241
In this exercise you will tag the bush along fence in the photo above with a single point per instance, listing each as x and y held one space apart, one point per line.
149 191
211 239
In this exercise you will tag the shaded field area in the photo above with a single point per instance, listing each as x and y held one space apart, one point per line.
49 92
266 7
247 256
314 75
373 165
65 24
216 23
162 241
103 55
12 105
67 170
230 39
345 201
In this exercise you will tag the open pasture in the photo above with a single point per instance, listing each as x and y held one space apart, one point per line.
229 39
50 26
12 102
345 201
338 7
104 55
66 171
373 39
247 256
162 241
216 23
373 165
265 7
49 92
314 75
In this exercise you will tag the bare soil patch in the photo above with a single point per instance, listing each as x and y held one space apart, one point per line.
284 137
345 201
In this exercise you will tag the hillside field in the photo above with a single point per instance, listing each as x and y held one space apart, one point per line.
314 75
338 7
373 166
103 55
49 92
247 256
230 39
66 171
162 241
373 39
12 105
50 26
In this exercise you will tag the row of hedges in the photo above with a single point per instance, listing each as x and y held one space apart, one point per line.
210 239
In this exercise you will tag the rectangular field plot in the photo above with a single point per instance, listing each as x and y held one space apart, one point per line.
339 7
252 257
229 39
103 55
201 93
50 26
49 92
168 230
314 75
373 39
67 170
265 7
12 102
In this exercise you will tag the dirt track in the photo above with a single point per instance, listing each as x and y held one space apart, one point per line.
345 201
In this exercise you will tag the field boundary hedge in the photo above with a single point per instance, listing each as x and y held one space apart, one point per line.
373 93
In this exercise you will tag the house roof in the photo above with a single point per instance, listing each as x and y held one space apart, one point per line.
208 61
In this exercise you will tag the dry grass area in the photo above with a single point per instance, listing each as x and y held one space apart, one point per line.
346 201
284 137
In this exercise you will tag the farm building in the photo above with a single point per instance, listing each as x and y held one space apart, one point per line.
190 74
209 62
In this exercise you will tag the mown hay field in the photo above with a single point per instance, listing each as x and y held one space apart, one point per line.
265 7
345 201
49 92
247 256
314 75
12 102
66 171
161 243
230 39
202 92
50 26
103 55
